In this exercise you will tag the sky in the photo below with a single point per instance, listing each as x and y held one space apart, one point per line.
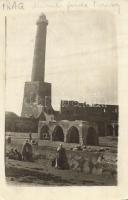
81 57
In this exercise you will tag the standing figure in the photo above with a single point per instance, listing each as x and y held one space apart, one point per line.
9 139
27 151
61 161
30 137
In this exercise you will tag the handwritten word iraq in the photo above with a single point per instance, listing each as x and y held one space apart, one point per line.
12 5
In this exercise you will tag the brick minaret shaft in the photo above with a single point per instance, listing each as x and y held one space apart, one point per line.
38 69
37 92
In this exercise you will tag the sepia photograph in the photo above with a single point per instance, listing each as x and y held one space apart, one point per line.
61 118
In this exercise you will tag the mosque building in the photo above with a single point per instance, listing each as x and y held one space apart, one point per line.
75 122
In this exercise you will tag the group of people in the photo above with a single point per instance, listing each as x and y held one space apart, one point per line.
60 161
14 154
25 155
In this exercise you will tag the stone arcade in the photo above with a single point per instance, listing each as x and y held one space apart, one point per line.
80 132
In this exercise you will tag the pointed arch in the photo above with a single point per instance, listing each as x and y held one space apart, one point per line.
73 135
58 134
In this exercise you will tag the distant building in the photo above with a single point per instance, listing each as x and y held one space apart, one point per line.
14 123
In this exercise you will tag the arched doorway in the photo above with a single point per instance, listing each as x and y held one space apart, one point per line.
58 134
44 133
91 138
73 135
109 130
116 130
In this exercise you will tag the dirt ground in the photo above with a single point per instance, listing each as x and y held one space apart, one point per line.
40 172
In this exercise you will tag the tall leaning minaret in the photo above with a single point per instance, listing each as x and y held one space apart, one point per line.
38 70
37 93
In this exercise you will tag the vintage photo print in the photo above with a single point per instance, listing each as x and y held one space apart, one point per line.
61 119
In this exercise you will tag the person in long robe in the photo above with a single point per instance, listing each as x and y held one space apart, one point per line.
30 137
27 151
61 161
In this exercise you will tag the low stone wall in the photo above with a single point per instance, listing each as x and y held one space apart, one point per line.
86 161
21 135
